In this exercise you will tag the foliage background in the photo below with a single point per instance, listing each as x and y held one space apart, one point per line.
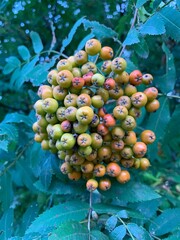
33 35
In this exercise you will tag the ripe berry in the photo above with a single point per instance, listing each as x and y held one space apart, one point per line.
78 82
113 169
109 120
106 67
106 53
91 185
135 77
122 78
147 79
109 84
50 105
139 99
84 140
64 78
120 112
74 175
80 57
99 170
87 167
104 153
151 93
123 177
152 106
118 65
45 91
104 184
93 46
64 64
144 163
148 136
59 93
84 115
139 149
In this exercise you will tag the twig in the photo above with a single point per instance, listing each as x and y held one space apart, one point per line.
132 25
53 42
89 215
17 158
124 224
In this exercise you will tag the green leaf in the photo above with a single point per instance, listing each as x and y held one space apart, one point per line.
4 145
8 130
24 52
99 30
73 210
156 3
16 76
30 214
122 214
138 232
12 64
6 223
153 26
111 223
36 41
167 222
71 34
18 118
118 233
130 66
131 192
139 3
46 170
39 73
175 236
178 3
167 82
142 48
102 208
69 231
6 192
132 37
97 235
170 17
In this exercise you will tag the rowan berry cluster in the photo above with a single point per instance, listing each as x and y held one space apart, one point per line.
73 119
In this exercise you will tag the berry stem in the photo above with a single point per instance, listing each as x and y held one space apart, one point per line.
89 215
169 96
130 234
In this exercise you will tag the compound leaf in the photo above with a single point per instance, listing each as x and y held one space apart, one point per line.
132 37
118 233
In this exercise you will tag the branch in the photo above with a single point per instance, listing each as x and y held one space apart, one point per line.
53 42
89 215
132 25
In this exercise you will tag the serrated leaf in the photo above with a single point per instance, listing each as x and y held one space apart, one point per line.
29 216
142 48
111 223
167 222
99 30
167 82
96 235
24 52
132 37
46 170
170 17
24 170
4 145
153 26
147 209
118 233
36 41
130 66
21 76
70 231
6 192
84 40
73 210
138 232
8 130
68 40
39 73
18 118
131 192
102 208
6 223
139 3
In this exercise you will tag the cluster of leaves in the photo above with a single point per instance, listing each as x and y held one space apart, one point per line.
30 180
